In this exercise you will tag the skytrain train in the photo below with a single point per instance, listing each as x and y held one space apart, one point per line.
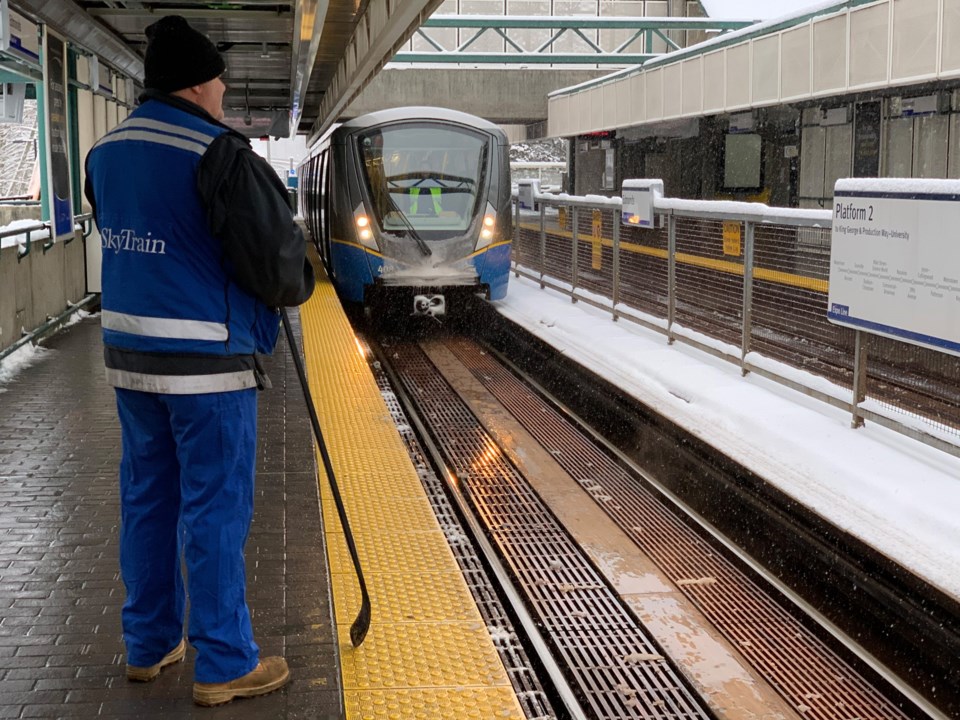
410 209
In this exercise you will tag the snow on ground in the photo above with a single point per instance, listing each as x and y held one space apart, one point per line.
20 359
898 495
29 354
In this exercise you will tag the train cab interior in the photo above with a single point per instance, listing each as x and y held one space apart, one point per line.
432 186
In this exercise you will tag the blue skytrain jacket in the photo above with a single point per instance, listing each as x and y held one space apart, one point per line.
199 248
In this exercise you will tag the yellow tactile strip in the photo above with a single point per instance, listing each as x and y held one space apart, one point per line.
433 704
428 654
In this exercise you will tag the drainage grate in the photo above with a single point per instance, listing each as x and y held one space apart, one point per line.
611 660
808 674
534 701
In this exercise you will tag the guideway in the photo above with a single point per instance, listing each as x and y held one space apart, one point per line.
506 445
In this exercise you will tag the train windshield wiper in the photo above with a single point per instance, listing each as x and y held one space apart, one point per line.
394 208
411 231
421 243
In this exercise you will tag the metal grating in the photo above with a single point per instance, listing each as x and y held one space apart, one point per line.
617 666
643 269
526 248
791 270
534 701
709 286
916 382
558 261
812 678
595 250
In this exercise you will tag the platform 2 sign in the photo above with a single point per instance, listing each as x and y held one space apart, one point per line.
59 187
895 260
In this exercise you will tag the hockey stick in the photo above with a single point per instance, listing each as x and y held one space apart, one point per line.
358 631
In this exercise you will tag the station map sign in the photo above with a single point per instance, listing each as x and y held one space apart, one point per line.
59 187
895 260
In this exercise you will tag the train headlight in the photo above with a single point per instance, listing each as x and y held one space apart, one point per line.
487 228
364 229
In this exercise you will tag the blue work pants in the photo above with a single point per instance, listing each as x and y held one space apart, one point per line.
186 484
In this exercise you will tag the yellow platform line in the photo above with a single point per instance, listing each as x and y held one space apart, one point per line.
428 653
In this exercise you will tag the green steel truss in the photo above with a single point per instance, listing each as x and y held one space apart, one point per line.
645 30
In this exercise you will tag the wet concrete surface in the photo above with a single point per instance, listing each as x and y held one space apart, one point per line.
61 649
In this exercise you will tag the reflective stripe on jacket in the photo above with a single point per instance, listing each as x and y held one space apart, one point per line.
415 200
166 290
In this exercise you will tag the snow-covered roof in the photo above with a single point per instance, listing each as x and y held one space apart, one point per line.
753 9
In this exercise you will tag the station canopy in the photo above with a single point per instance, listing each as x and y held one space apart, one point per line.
277 60
754 9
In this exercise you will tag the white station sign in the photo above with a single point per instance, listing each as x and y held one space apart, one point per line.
639 197
895 260
19 37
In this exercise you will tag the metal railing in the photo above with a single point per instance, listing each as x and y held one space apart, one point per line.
40 230
34 233
746 283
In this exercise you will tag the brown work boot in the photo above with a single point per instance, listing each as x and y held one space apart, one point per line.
146 674
270 674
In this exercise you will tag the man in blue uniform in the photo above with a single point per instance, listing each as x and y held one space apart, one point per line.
199 251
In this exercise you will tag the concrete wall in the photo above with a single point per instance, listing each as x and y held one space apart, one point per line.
9 213
38 286
501 96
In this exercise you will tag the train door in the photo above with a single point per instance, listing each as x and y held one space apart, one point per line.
315 200
318 205
311 192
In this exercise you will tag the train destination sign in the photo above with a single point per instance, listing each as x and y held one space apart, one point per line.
895 260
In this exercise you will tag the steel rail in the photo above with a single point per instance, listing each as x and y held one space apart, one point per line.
558 680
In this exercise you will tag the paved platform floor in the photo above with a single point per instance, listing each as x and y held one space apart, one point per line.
61 651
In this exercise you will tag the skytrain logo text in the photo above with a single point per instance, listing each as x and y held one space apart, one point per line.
128 241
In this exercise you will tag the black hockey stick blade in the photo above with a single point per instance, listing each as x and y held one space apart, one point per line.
358 631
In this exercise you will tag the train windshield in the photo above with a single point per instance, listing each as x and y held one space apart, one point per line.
424 178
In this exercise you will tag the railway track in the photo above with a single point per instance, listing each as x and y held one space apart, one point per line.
506 452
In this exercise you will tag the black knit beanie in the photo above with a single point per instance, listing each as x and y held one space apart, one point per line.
178 56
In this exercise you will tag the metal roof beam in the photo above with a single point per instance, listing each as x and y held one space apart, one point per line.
309 18
73 22
145 15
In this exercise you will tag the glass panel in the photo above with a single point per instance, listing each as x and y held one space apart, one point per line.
423 176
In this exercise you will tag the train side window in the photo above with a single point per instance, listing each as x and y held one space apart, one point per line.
327 199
